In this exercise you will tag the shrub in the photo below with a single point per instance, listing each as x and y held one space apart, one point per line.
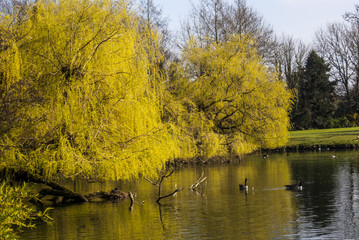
14 213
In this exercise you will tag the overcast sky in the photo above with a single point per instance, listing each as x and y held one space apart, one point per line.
297 18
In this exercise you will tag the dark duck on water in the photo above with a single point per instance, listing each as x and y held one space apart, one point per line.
245 186
298 186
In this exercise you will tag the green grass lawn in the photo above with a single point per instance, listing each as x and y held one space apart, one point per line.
334 136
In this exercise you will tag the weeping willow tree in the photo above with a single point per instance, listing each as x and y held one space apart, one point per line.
83 94
240 104
90 103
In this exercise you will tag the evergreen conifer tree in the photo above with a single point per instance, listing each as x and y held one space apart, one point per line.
316 95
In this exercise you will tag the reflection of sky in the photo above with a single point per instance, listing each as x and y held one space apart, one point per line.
326 208
347 202
338 216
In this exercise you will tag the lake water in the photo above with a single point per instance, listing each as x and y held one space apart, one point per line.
326 208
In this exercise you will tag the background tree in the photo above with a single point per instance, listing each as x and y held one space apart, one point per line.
338 44
243 19
217 20
316 96
352 18
290 60
333 45
153 25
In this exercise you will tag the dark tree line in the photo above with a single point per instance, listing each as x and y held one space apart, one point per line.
315 104
326 79
338 43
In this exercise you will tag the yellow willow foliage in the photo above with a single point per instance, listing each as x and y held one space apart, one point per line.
184 113
9 54
9 66
238 93
98 111
212 145
176 114
240 146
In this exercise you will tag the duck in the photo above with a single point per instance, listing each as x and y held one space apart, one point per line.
245 186
298 186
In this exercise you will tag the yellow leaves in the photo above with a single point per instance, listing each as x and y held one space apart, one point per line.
96 94
212 145
239 145
69 38
9 65
238 93
97 105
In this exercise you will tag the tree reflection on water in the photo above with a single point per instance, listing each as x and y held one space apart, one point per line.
327 207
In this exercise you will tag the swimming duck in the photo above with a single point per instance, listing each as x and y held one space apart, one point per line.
294 186
245 186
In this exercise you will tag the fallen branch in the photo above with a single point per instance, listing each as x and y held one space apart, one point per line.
170 194
62 194
66 194
132 198
166 174
56 189
148 180
162 175
197 184
114 194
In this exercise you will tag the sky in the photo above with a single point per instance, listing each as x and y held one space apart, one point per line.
297 18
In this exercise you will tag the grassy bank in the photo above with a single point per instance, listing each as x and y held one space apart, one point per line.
336 137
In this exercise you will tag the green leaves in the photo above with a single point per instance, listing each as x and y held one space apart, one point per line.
316 95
